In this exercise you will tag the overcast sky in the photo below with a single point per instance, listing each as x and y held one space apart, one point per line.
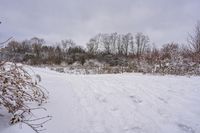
54 20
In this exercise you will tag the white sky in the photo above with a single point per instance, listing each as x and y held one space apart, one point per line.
54 20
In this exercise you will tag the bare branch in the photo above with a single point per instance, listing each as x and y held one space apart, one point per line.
6 41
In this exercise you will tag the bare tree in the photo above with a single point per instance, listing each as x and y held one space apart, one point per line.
127 41
170 51
13 46
141 41
93 44
106 43
194 40
66 44
119 45
113 41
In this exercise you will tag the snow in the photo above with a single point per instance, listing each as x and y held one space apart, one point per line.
117 103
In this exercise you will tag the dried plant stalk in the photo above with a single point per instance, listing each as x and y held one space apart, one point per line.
17 92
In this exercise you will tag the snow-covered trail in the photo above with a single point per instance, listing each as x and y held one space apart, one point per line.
142 104
68 115
121 103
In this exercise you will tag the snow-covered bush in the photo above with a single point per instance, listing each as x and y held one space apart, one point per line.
20 95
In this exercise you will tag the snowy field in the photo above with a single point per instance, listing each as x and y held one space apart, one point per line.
117 103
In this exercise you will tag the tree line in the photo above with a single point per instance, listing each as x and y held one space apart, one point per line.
114 49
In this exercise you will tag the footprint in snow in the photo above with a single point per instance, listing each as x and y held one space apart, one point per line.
101 99
133 130
185 128
135 99
162 99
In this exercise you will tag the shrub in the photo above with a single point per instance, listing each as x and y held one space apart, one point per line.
17 92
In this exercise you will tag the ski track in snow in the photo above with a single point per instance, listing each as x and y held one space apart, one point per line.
118 103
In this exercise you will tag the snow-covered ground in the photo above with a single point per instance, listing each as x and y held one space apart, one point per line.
118 103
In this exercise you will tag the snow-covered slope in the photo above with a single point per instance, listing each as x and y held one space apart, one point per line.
121 103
